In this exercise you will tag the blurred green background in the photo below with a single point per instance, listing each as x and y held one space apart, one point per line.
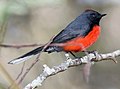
36 21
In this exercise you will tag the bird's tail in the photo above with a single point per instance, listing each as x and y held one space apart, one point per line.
26 56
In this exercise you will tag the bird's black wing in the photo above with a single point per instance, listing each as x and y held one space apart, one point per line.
70 33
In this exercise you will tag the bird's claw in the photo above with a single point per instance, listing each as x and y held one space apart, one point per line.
67 56
94 52
96 55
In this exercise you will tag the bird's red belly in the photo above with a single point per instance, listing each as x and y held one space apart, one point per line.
80 43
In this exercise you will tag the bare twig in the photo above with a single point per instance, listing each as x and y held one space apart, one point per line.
10 87
19 46
70 63
21 71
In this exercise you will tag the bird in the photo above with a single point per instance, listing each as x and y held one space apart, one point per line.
77 36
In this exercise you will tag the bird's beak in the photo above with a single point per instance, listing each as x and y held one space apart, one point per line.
103 15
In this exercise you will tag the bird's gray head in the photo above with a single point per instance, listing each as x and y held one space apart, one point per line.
92 16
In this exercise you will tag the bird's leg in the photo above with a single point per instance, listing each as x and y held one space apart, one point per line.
88 52
73 54
93 52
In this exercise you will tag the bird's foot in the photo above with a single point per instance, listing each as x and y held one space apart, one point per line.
88 52
93 52
67 56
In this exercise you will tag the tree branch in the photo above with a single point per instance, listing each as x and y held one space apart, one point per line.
19 46
92 57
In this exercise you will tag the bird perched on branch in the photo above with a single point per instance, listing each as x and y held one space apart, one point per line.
80 34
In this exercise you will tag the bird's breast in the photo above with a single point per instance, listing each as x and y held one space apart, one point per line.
81 43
